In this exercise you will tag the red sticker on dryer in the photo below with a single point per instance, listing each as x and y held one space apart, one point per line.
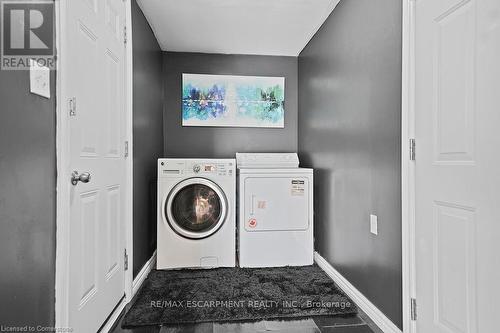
252 223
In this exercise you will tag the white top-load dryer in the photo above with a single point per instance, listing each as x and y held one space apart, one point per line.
275 223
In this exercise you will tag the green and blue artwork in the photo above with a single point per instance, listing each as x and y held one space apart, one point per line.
233 101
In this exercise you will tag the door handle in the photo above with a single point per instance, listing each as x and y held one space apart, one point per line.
75 177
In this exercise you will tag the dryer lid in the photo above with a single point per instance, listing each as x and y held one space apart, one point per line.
267 160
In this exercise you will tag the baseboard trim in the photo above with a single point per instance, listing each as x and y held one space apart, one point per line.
136 285
114 316
384 323
143 274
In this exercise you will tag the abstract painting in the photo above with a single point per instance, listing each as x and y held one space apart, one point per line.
233 101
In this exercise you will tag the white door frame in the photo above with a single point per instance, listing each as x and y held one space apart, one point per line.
408 166
63 184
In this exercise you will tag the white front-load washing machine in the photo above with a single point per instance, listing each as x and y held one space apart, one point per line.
196 213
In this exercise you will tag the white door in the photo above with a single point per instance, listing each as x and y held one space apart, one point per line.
457 165
94 72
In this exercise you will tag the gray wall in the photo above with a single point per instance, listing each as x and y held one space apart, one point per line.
225 142
349 131
148 134
27 202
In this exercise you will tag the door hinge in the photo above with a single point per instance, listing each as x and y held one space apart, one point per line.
125 260
125 35
412 149
72 106
413 309
126 149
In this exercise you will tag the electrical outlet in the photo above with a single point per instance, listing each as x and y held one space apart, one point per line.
374 224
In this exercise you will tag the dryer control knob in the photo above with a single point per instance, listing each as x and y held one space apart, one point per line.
196 168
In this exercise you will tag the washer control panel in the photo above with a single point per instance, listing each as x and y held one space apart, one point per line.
188 167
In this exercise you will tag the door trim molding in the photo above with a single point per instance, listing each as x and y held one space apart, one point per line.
62 185
407 165
129 199
62 164
378 317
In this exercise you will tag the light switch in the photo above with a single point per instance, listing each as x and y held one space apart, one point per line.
374 224
39 79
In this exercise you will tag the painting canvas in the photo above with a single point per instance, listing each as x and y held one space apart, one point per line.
233 101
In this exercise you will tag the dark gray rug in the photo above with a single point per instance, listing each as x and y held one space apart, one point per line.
236 294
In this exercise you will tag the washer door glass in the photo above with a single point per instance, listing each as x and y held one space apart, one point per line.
196 209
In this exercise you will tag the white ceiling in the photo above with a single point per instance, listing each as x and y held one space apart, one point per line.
265 27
